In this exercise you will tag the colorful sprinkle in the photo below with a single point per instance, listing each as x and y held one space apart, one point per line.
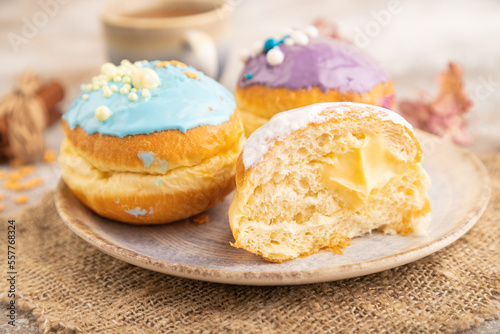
85 97
191 74
178 63
270 44
162 64
248 76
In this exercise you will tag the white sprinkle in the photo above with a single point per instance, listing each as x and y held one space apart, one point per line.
111 74
83 86
107 68
146 78
89 87
125 89
102 113
125 62
299 37
288 41
257 48
138 64
312 31
106 92
114 88
275 56
96 86
244 55
146 93
117 78
85 97
126 80
133 90
132 96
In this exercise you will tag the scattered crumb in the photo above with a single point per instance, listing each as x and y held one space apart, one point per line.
16 163
15 185
191 74
14 179
21 199
177 63
162 64
221 98
210 108
200 219
344 244
14 176
49 156
336 250
27 170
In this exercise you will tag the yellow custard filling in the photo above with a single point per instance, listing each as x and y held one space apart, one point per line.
357 172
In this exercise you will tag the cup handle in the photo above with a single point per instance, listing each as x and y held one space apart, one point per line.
204 50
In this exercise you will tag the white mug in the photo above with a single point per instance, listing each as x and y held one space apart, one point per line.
195 32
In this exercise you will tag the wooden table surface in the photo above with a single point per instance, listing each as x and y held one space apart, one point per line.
414 44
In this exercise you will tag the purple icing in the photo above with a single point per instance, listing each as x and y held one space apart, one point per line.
325 62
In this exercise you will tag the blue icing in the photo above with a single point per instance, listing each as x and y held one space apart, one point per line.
179 102
163 166
146 157
137 211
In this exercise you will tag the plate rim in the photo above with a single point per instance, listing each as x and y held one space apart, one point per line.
274 278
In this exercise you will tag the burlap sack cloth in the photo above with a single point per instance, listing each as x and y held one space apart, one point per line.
71 286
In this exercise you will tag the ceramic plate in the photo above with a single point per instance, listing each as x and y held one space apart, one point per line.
459 194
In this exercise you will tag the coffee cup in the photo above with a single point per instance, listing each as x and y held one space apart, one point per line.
195 32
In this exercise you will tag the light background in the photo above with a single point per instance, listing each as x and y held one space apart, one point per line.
414 46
